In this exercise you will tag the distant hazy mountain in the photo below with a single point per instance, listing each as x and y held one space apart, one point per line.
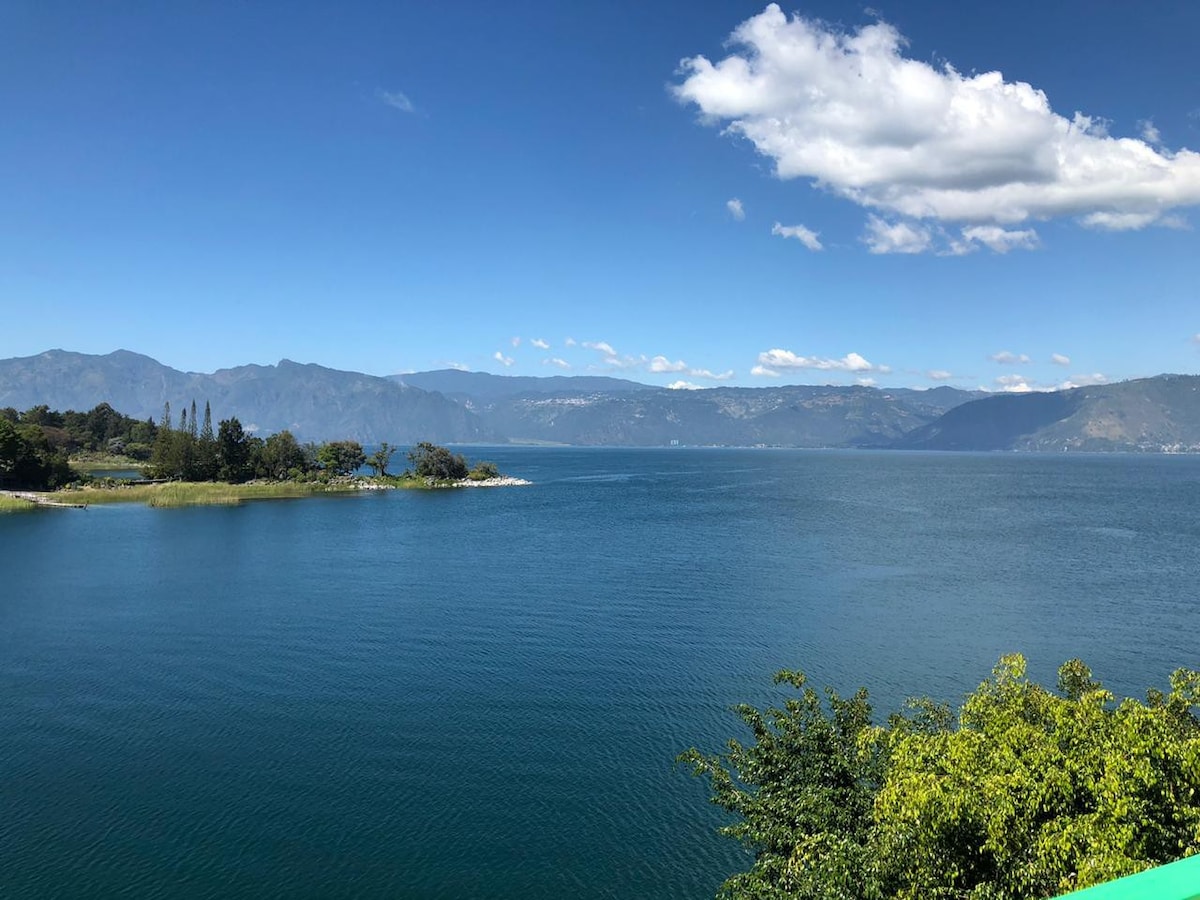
449 406
797 416
313 402
483 386
1154 414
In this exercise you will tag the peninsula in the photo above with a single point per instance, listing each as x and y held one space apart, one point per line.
75 459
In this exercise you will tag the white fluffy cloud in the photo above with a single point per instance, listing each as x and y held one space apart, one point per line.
939 375
505 361
806 236
516 342
540 344
683 386
556 361
600 347
905 138
1059 360
1001 240
662 364
1083 381
735 209
1015 384
896 237
711 376
1020 384
771 361
1008 358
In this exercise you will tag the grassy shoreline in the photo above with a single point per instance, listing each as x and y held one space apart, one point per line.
197 493
174 494
11 504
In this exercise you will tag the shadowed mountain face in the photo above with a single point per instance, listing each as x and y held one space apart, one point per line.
993 423
1148 414
316 403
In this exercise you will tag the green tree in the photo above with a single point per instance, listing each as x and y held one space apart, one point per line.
482 471
341 457
437 463
233 453
1030 793
42 415
142 436
280 457
28 460
206 433
207 464
102 424
14 455
379 460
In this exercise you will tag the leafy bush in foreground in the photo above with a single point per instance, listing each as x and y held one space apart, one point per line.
1029 793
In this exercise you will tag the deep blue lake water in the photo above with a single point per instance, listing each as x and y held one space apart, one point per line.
480 693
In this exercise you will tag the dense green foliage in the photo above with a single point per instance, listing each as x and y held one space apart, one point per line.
27 460
1028 794
341 457
437 463
483 471
35 444
188 453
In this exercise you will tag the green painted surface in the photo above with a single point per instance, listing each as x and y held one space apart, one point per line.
1175 881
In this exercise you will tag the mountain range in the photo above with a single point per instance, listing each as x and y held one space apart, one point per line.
452 406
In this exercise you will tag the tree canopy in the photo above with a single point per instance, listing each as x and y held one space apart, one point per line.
341 457
32 455
35 446
431 461
1027 793
381 458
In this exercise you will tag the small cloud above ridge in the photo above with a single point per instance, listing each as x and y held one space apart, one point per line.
1008 358
396 100
770 362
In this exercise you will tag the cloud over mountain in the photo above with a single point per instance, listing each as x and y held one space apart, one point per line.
770 362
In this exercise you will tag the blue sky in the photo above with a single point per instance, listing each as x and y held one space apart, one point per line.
681 193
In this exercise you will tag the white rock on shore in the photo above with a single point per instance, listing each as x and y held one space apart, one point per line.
502 481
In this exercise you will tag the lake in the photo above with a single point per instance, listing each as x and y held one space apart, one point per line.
481 693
